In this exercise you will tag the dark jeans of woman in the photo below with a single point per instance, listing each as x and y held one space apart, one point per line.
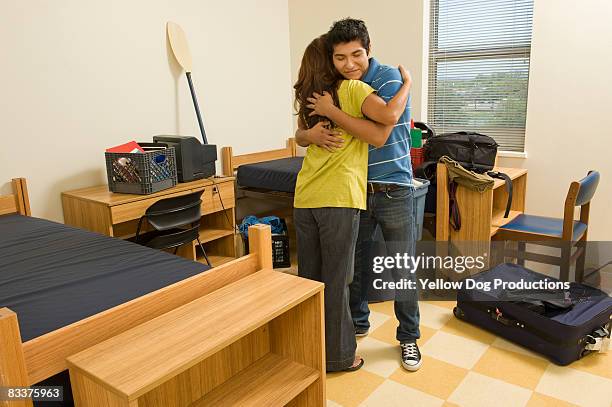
326 239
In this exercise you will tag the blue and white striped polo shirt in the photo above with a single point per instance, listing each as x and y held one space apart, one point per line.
390 164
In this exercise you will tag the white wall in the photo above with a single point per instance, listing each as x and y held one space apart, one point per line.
570 88
80 76
569 107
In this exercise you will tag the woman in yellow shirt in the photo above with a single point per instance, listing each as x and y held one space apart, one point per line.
331 189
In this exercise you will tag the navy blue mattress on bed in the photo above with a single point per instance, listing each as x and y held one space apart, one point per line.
273 175
52 275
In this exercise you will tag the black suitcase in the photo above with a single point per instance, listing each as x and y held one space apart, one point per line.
562 324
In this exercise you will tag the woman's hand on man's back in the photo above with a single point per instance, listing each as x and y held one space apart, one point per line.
321 105
324 137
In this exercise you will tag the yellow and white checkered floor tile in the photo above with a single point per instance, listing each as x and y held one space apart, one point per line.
463 366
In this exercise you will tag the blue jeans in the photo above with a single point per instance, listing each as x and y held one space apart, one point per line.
395 213
326 239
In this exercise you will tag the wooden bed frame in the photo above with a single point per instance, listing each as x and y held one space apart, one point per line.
231 162
24 364
18 201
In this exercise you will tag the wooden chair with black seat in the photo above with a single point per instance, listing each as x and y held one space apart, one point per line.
565 233
175 222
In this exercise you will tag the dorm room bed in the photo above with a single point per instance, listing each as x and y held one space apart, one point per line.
272 172
63 290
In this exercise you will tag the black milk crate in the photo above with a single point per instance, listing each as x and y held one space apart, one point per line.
141 173
281 255
280 251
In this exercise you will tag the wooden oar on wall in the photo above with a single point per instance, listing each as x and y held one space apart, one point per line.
180 49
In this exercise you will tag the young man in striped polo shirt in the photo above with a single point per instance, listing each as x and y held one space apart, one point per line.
390 203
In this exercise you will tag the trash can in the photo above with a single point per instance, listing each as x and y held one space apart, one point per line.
420 192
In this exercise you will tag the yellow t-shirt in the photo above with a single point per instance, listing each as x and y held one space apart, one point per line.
337 179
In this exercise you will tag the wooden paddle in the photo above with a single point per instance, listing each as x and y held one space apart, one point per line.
180 49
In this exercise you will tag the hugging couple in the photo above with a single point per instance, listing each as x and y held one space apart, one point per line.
354 117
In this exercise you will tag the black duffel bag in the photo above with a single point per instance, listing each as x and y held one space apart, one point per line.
474 151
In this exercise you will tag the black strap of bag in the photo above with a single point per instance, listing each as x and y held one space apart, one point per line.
506 178
427 170
541 301
454 215
427 130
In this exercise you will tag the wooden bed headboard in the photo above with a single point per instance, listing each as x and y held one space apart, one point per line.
232 162
18 201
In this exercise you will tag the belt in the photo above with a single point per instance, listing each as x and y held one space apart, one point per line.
375 187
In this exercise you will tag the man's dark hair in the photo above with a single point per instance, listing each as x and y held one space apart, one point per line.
347 30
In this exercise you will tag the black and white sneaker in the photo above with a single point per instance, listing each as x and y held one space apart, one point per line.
411 356
360 332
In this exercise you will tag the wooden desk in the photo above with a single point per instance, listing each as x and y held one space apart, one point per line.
481 213
481 216
258 341
99 210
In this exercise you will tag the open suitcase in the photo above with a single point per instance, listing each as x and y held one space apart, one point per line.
562 324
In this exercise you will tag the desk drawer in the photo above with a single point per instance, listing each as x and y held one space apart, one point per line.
210 199
134 210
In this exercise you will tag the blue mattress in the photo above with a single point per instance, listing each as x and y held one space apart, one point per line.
273 175
52 275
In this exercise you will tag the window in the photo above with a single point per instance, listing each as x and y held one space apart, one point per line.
479 68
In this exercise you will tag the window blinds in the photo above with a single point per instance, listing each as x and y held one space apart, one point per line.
479 68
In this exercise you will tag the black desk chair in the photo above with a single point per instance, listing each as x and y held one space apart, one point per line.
176 221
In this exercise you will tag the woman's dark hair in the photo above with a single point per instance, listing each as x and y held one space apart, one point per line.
347 30
317 74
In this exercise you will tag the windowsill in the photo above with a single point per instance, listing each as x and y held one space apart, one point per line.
512 154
